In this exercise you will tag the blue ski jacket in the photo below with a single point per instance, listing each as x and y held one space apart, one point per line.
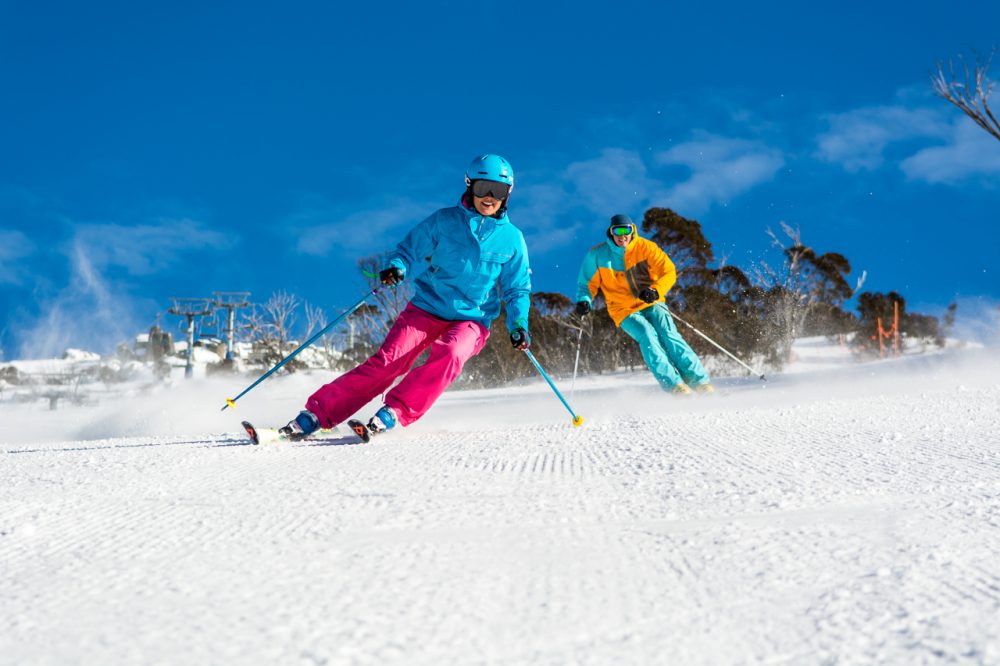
457 256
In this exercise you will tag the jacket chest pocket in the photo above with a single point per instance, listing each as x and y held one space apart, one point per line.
488 270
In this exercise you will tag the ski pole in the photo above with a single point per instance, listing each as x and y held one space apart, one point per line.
231 402
720 347
577 420
576 364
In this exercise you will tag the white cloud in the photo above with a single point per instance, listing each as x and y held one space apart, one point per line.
721 169
370 224
144 249
954 148
580 198
610 182
969 152
583 195
370 228
14 246
536 210
858 139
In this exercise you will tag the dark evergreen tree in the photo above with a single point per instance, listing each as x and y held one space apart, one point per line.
681 238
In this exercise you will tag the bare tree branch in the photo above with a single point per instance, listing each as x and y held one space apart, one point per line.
316 320
971 93
269 327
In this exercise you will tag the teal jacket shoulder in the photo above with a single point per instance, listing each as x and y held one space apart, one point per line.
607 255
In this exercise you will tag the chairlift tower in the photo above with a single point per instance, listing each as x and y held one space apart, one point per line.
191 308
230 301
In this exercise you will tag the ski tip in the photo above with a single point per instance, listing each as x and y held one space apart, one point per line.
251 432
360 429
578 420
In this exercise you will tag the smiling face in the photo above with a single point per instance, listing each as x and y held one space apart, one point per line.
486 205
488 195
622 241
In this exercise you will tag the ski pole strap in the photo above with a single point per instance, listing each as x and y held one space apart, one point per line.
577 420
231 402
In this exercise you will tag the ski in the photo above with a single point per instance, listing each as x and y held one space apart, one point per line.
264 435
258 436
360 429
251 433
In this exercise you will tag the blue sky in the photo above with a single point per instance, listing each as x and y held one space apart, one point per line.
150 150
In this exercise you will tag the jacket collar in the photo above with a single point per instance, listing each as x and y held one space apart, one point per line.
619 250
470 212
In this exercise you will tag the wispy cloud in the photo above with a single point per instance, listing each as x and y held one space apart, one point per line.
145 249
933 144
721 169
578 197
371 227
858 139
969 153
610 181
106 263
14 247
539 211
618 180
88 312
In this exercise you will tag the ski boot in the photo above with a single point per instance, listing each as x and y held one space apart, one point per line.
300 427
384 419
680 390
705 388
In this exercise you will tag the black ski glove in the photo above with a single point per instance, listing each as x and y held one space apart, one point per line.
391 276
520 339
649 295
582 308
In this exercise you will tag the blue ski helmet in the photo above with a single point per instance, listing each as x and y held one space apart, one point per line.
490 167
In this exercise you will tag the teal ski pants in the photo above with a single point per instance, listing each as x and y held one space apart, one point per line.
668 355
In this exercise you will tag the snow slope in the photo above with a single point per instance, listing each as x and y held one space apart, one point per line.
847 515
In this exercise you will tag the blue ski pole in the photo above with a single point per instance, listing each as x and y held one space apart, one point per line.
231 402
577 420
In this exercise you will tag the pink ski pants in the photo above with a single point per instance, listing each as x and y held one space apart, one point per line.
452 343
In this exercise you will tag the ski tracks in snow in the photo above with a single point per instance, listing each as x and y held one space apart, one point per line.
852 530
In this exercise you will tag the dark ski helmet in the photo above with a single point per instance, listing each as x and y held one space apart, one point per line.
618 221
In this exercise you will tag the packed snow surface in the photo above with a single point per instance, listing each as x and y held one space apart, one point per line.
843 514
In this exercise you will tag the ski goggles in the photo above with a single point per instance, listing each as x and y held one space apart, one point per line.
621 230
490 188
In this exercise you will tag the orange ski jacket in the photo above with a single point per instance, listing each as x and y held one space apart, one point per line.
621 273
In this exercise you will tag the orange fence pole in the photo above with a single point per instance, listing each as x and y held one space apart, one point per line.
881 334
895 327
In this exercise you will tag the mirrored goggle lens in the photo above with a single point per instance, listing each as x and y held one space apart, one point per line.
622 230
490 188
